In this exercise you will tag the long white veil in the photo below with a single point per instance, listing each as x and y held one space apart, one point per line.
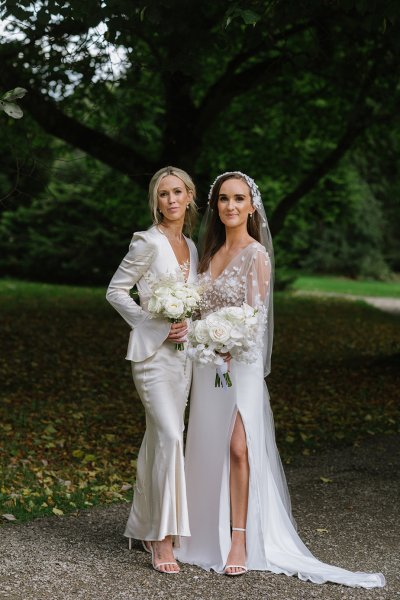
266 240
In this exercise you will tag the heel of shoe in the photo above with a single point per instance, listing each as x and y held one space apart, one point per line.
146 547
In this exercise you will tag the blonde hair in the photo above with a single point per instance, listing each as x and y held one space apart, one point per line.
191 213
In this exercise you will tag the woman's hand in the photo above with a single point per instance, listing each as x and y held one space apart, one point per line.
226 356
178 332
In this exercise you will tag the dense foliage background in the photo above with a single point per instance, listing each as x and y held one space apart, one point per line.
304 96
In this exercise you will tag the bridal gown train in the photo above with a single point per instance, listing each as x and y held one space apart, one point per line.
272 542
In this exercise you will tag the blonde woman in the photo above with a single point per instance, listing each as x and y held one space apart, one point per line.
161 373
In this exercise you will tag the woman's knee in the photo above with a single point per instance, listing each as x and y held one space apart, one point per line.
239 450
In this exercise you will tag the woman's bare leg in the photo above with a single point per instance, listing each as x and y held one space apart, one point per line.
239 491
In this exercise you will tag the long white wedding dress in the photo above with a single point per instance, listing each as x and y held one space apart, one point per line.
272 542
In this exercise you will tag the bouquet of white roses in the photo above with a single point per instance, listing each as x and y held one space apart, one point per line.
233 329
173 298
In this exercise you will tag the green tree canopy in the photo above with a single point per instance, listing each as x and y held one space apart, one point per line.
281 89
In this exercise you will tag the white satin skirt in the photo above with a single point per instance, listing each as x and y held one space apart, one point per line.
272 542
159 505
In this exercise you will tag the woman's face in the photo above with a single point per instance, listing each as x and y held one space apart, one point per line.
173 198
234 203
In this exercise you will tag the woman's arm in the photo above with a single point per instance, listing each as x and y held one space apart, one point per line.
135 264
258 278
148 334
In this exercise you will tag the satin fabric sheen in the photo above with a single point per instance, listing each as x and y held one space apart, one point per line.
272 542
159 505
162 377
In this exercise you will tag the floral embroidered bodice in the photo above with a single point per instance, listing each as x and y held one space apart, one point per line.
244 279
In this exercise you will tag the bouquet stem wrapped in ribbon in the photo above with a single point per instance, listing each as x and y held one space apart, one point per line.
174 298
236 330
222 377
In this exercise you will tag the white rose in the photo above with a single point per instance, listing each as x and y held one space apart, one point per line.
180 294
219 330
162 291
154 305
201 332
173 308
234 314
237 333
190 303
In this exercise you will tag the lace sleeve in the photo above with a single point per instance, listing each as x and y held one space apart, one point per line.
258 279
259 293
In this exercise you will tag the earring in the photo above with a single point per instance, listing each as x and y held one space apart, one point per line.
187 206
251 215
159 211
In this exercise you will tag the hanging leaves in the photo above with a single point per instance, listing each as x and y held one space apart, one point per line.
8 105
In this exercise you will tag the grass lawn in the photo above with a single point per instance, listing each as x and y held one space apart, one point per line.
343 285
71 423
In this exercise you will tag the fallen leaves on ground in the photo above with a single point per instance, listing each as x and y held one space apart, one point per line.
71 422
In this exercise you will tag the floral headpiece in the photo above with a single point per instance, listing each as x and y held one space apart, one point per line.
255 192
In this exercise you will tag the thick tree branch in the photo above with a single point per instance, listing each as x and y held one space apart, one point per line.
99 145
226 89
280 213
232 82
359 119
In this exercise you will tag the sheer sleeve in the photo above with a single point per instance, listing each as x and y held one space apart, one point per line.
147 333
258 279
259 287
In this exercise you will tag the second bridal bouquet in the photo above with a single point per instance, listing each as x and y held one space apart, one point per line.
233 329
173 298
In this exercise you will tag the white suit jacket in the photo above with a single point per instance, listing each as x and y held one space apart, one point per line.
149 252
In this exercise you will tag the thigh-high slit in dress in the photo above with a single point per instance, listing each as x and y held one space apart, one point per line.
272 542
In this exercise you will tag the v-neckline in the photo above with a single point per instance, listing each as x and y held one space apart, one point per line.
175 257
228 264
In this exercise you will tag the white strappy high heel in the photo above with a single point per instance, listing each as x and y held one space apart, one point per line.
156 567
146 548
242 567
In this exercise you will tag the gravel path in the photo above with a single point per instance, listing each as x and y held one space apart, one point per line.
356 512
391 305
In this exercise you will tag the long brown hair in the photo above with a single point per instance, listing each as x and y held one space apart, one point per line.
215 235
